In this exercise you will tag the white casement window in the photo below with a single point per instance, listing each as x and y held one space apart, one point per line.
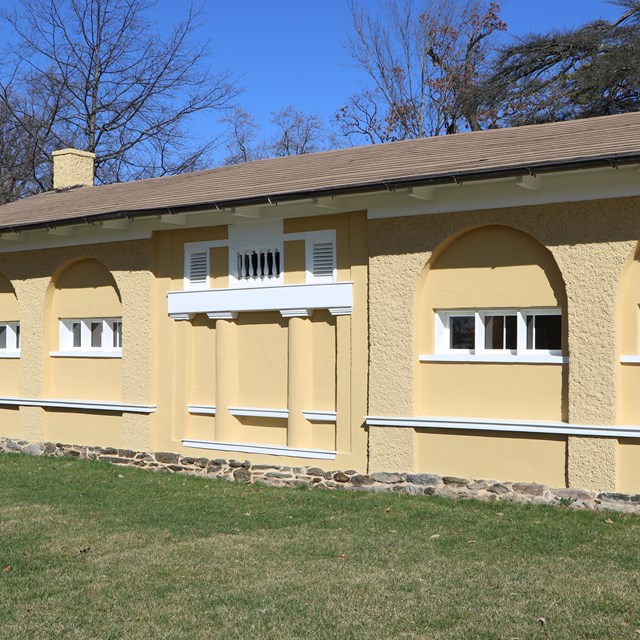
9 339
90 337
498 335
196 265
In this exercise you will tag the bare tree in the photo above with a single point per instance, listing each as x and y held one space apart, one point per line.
423 61
122 90
295 133
592 70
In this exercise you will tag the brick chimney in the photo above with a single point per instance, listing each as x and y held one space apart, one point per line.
72 168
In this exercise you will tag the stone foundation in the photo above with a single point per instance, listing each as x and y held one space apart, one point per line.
350 480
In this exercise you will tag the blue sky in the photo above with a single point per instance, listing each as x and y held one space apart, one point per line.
292 51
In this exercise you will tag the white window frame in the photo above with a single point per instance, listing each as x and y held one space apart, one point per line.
444 353
84 349
12 348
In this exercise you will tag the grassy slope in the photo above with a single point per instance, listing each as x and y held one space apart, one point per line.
89 550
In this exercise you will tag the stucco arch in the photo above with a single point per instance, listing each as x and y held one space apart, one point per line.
488 267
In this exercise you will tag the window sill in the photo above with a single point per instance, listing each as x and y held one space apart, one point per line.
9 354
630 359
495 359
86 354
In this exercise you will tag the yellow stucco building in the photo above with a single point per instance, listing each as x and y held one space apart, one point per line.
465 305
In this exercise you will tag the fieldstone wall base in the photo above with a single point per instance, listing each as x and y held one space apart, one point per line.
349 480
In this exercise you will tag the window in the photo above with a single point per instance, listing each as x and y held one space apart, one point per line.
9 338
499 335
196 267
322 260
91 336
258 265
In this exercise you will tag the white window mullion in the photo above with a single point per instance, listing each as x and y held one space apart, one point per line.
479 333
522 332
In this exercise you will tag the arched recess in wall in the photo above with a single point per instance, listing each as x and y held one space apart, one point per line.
84 331
491 330
628 322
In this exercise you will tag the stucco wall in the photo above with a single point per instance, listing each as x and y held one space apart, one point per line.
591 243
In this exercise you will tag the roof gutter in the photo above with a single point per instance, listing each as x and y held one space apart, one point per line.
393 184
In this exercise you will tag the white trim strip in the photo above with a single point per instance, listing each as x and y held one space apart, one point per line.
9 355
115 353
320 416
630 359
497 358
501 425
259 412
87 405
202 409
244 447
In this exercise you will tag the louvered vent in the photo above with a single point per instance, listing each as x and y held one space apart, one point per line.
323 260
198 267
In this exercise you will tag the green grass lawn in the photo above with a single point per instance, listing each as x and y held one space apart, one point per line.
90 550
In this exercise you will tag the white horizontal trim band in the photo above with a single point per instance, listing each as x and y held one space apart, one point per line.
320 416
335 296
259 412
510 426
244 447
202 409
630 359
87 405
9 354
497 358
86 354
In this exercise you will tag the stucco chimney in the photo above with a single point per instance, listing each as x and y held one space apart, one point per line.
72 168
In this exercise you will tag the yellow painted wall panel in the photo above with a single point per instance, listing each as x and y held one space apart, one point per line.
629 465
269 431
200 428
492 456
295 267
324 362
220 267
323 436
89 428
262 360
10 422
482 390
85 379
9 377
202 364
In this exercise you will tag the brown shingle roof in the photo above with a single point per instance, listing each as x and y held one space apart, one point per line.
464 156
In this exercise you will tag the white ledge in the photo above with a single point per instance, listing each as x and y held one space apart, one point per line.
288 299
244 447
9 354
630 359
86 354
502 425
202 409
259 412
502 358
320 416
86 405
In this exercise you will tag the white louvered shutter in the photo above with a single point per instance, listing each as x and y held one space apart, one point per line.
323 260
198 268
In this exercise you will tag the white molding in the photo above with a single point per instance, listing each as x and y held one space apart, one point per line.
182 316
9 355
245 447
86 354
296 313
259 412
502 425
630 359
219 315
335 296
320 416
202 409
499 358
87 405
